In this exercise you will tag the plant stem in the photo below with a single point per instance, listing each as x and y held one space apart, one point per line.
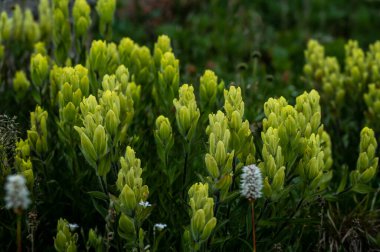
253 225
232 185
19 241
185 171
101 184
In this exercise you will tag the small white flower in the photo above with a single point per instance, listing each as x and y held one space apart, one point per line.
145 204
16 193
251 182
73 226
160 226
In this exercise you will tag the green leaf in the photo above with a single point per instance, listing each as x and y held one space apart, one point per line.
102 210
343 182
362 188
98 195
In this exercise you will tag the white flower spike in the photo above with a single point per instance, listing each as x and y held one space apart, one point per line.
17 194
251 182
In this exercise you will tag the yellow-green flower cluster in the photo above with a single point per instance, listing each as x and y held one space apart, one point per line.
315 56
39 48
39 70
366 166
294 142
93 135
333 83
161 47
202 221
208 90
133 197
5 26
164 137
105 9
125 49
372 100
187 112
139 62
241 136
357 84
76 77
21 84
273 162
166 88
103 59
373 62
61 31
355 68
74 85
325 74
21 28
38 133
23 163
45 19
142 66
65 241
106 118
128 87
117 100
81 17
220 156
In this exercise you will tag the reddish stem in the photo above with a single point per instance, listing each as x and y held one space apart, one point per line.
253 225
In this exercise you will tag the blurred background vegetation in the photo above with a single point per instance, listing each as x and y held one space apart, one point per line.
224 35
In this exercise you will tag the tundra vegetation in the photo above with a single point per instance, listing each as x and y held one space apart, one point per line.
105 145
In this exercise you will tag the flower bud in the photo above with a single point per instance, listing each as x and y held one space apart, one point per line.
100 141
88 149
112 122
208 228
197 224
69 113
278 179
224 182
368 174
220 154
212 166
267 189
128 199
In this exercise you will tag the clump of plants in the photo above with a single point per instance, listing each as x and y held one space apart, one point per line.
120 154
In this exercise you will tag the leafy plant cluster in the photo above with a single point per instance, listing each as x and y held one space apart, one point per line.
119 154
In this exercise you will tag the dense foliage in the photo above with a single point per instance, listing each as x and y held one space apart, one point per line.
119 153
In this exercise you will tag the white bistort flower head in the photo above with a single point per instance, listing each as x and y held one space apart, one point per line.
159 226
16 193
73 226
251 182
145 204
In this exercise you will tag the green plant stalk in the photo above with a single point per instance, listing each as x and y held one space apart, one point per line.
232 185
19 240
184 179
